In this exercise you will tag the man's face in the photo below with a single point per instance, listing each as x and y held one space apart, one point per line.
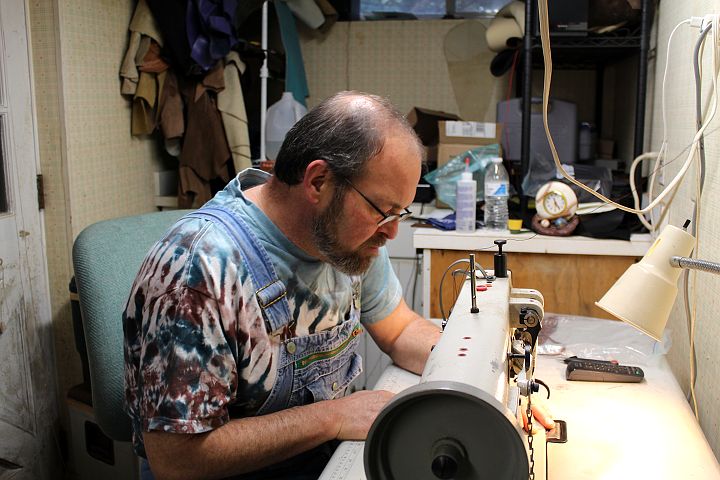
327 234
346 232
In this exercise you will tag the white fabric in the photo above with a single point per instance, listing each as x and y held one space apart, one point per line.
231 105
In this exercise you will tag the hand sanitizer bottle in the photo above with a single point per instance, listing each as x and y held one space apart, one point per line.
466 201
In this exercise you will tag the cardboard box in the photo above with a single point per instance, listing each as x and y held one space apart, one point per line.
469 133
457 137
425 123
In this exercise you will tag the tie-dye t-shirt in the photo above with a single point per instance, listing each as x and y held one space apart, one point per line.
197 352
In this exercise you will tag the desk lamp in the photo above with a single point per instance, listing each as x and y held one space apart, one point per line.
644 295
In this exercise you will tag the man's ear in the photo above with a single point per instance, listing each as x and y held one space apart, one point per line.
317 182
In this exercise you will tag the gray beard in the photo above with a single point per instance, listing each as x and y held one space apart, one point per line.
325 235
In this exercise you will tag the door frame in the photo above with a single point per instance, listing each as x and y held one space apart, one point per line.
22 167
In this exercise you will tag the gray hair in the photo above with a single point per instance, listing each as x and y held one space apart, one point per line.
344 133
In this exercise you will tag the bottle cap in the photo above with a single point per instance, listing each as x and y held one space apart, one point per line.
466 174
497 160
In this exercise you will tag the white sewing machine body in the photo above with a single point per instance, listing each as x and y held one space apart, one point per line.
615 430
460 420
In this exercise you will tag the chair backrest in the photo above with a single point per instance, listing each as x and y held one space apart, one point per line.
106 257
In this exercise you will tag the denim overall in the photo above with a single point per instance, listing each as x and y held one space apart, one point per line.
312 368
309 369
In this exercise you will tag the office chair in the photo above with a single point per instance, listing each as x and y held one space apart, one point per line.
106 257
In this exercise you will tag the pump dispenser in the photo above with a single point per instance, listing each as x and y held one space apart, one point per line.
466 201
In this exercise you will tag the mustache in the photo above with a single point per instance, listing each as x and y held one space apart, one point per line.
376 241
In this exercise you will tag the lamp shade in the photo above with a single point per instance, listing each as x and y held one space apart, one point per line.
644 295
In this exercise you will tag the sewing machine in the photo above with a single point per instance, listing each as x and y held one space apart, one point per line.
458 419
461 420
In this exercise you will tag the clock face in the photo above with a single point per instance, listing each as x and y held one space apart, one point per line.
555 200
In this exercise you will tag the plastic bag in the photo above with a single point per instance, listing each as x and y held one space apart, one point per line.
601 339
543 170
540 171
445 178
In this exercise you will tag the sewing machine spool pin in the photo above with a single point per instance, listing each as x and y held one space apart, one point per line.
500 260
473 282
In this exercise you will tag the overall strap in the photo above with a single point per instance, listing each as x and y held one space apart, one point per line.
270 291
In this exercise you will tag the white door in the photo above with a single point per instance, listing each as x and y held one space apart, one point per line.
28 408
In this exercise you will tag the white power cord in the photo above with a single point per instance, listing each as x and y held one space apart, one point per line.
660 161
712 23
547 56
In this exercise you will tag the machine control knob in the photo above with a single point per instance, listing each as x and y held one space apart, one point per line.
447 456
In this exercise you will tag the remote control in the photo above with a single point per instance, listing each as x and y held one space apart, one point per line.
591 371
575 358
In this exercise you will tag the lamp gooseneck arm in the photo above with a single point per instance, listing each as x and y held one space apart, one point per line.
695 264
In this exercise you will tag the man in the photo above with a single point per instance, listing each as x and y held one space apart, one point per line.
242 323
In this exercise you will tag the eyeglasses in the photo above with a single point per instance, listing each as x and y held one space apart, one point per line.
387 217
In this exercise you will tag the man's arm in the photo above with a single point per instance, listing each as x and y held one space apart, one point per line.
406 337
248 444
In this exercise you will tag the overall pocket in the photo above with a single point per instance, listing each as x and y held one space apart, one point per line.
334 383
325 374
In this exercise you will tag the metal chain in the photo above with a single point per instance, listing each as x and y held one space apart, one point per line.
530 437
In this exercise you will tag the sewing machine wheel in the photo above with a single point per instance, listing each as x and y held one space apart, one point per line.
445 430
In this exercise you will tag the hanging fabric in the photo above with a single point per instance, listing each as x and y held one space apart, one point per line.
232 109
141 25
210 30
205 150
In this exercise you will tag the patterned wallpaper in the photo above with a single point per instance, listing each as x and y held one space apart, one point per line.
680 103
402 60
109 172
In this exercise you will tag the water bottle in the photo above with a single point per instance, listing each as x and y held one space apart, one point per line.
496 195
281 116
465 201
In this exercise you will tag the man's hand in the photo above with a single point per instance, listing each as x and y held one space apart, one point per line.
358 411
